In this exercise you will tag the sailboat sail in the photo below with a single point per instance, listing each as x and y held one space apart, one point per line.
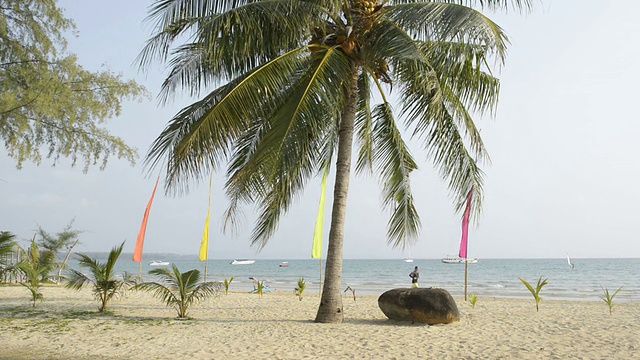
569 262
465 227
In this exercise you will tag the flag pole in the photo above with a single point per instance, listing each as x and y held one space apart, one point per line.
466 277
463 254
320 287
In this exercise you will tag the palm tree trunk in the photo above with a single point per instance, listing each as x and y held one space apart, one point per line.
330 310
64 263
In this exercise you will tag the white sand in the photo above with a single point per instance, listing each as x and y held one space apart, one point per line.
278 326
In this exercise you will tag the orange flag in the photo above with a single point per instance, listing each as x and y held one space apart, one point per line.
137 253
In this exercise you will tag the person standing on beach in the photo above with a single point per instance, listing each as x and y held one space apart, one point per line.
414 275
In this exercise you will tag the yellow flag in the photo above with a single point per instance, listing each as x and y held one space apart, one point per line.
204 246
316 253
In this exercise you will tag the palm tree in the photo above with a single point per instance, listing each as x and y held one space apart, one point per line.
180 290
66 239
298 79
105 285
7 247
35 266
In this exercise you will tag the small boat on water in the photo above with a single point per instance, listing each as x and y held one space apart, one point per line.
458 260
408 260
159 263
242 262
284 264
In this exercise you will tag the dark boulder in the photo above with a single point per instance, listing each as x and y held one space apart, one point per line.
425 305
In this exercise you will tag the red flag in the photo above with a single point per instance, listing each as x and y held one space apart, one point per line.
465 227
137 253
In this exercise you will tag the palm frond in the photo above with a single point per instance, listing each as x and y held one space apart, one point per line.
463 68
280 152
76 280
507 5
364 125
431 106
449 22
395 164
228 38
203 132
387 40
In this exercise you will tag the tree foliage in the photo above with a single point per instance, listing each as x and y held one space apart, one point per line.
7 244
298 83
105 286
35 266
66 239
180 290
49 104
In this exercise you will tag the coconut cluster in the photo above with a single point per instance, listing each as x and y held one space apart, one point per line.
367 7
364 14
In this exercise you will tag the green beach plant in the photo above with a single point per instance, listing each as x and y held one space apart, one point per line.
105 285
608 298
302 285
473 299
535 292
227 283
7 243
67 239
35 266
179 290
7 248
260 288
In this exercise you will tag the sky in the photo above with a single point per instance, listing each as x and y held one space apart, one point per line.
563 144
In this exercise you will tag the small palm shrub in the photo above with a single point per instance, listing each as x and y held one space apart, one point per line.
227 283
35 267
608 298
102 278
302 285
473 299
179 290
535 292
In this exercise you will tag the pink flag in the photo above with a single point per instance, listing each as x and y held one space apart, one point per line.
465 227
137 253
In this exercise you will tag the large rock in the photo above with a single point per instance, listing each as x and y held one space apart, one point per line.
425 305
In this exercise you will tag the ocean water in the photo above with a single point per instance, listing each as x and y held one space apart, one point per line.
487 278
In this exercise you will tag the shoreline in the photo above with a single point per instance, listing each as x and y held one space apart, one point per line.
279 326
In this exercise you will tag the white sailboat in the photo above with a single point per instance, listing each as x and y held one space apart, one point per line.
408 259
242 262
159 263
572 265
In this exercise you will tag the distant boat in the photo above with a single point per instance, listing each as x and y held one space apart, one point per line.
408 259
284 264
159 263
569 262
242 262
458 260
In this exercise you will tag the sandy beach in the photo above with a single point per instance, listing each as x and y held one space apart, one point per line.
279 326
